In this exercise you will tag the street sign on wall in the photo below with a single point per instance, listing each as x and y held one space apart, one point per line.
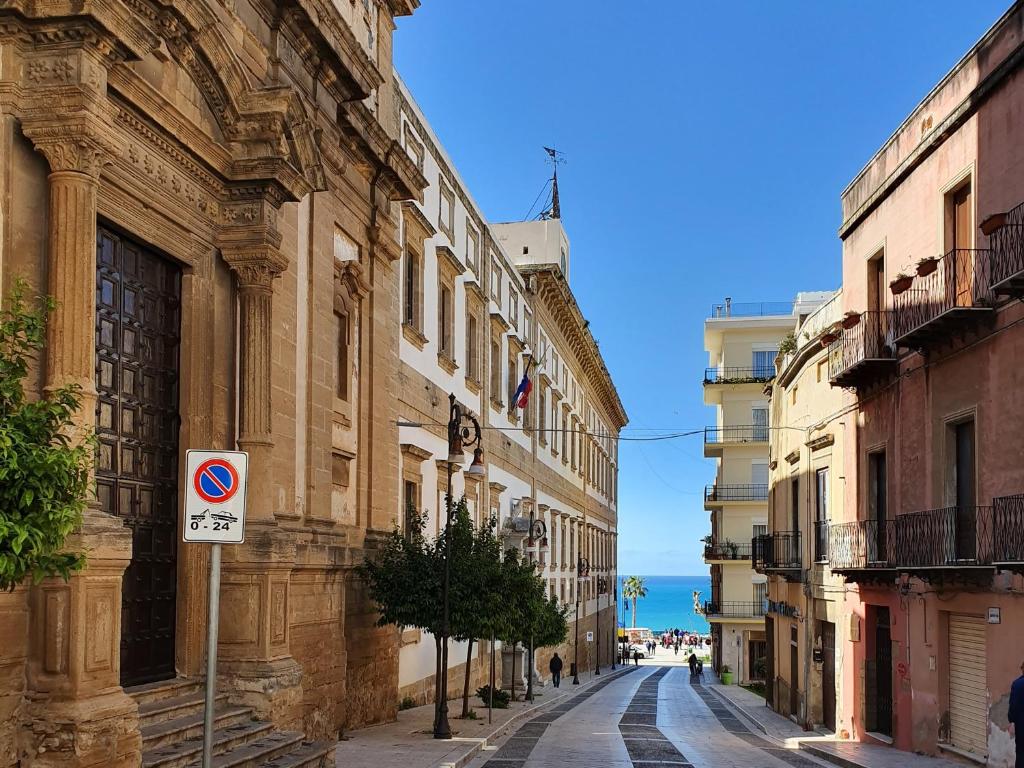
215 496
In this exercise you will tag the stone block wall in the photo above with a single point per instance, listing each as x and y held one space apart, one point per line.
13 653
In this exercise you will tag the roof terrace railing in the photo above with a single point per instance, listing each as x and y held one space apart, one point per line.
751 309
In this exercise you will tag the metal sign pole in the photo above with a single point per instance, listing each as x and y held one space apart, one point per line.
212 624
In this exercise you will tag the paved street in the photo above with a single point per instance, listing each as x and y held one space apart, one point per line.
651 716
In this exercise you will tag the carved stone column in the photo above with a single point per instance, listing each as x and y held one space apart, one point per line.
254 654
77 713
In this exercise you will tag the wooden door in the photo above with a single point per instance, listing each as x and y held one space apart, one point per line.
883 673
966 511
828 674
963 241
138 306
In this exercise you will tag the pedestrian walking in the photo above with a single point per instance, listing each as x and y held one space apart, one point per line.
693 664
1016 715
556 670
677 649
636 657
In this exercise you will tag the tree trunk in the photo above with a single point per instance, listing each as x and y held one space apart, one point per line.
529 672
634 613
465 685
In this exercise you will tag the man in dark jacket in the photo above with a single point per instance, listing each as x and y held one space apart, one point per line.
556 670
1016 715
693 663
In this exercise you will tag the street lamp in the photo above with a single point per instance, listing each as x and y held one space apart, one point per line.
459 439
616 645
597 624
582 572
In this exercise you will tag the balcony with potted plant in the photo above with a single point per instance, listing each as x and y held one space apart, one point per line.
864 353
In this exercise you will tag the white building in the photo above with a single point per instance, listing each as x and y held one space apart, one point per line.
480 302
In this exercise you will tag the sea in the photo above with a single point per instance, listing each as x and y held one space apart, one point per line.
669 603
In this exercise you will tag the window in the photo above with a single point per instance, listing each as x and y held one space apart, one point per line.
495 280
795 504
411 289
760 595
821 494
513 381
341 358
565 436
513 308
495 370
562 264
446 209
446 322
472 247
877 498
760 529
759 418
542 411
764 363
473 348
410 504
413 146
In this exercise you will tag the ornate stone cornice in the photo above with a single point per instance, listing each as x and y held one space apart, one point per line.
350 275
75 144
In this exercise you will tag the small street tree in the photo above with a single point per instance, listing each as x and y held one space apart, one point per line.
44 464
634 589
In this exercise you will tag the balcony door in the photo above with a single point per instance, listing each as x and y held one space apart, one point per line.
759 418
963 240
764 363
877 289
964 485
877 494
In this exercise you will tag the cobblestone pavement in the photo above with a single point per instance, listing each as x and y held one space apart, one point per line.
651 718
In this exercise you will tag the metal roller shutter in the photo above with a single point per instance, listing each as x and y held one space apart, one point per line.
968 713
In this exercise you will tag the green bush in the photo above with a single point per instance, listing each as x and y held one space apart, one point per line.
406 703
44 467
501 698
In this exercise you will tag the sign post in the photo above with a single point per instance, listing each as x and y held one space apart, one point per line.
215 515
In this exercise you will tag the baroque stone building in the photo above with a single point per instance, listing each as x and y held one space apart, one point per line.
211 190
481 303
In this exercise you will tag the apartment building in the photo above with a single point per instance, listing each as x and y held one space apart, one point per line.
804 624
930 537
742 342
480 304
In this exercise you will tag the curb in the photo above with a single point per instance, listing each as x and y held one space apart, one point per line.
741 713
481 742
829 756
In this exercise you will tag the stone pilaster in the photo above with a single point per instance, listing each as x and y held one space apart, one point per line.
255 658
77 714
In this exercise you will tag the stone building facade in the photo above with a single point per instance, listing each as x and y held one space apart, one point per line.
481 302
212 192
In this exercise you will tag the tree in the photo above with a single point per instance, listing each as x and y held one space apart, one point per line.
44 465
633 589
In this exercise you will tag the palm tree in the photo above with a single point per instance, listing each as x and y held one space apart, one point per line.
633 589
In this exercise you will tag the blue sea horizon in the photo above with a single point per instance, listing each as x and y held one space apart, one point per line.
669 603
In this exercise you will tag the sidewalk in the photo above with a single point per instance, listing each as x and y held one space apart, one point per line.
407 743
847 754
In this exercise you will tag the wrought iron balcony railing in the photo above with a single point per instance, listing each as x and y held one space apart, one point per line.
727 551
743 433
779 551
1007 241
733 610
1008 529
739 375
951 537
861 545
751 309
733 492
864 353
959 288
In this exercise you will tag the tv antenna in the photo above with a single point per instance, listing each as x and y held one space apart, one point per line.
556 158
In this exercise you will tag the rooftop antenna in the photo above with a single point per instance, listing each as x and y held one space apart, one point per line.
555 158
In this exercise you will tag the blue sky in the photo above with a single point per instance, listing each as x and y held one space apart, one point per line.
707 145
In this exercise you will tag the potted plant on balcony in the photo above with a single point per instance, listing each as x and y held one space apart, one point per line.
726 674
994 222
733 548
830 334
850 320
927 265
900 283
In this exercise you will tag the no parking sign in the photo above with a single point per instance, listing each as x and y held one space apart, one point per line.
215 496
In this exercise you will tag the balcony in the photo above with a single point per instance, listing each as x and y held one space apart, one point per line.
952 298
729 551
733 610
1008 532
859 550
778 552
717 495
717 438
738 375
865 354
958 538
751 309
1006 236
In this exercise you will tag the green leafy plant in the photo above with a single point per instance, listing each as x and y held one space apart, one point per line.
501 698
633 589
788 344
726 669
406 703
44 458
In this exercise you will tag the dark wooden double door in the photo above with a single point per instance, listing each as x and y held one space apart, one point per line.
138 320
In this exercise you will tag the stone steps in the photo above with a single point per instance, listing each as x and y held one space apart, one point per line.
171 720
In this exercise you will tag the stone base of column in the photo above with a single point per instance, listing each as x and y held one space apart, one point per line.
100 731
272 688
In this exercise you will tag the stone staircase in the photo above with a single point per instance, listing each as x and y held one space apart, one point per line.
171 719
